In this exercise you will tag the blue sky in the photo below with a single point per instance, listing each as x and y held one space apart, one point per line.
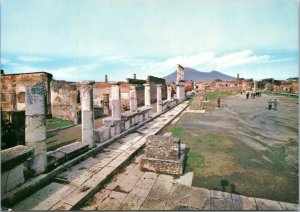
85 39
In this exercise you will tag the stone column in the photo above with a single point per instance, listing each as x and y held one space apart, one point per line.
133 100
116 101
87 113
159 98
147 95
169 93
35 131
106 104
178 92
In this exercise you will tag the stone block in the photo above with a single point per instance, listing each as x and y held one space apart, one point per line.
132 202
12 178
268 205
113 201
35 128
289 206
40 147
199 199
14 156
102 133
38 163
73 149
243 203
221 204
179 197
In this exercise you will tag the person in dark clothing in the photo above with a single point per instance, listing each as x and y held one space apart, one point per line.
270 104
219 101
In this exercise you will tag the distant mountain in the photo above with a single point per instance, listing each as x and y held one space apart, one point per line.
192 74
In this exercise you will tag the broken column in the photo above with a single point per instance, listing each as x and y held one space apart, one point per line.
147 95
106 104
35 131
116 101
159 99
180 93
87 113
133 100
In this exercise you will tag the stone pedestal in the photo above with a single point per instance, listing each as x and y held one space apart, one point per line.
159 99
163 154
116 101
147 95
35 131
133 100
87 113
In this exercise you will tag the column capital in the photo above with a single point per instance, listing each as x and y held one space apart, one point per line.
158 85
146 84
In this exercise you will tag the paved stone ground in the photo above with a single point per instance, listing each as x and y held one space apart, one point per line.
133 189
71 188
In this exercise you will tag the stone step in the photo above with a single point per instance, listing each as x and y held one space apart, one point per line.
65 153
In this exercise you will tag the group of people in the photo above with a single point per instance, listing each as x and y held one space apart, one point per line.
273 102
252 94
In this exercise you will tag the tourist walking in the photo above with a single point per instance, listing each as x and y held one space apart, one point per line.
247 95
275 102
219 101
270 104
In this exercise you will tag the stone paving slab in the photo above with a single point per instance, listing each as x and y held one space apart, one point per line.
268 205
178 198
112 202
199 199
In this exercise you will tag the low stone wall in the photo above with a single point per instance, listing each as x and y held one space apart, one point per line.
172 167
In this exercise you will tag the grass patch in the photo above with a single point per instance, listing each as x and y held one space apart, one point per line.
57 123
220 161
215 95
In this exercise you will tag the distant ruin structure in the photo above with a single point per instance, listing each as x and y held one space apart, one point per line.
180 73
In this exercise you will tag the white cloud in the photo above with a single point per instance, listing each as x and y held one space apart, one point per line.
239 58
4 61
33 59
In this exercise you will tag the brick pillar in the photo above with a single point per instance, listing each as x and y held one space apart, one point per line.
106 104
35 131
147 95
116 101
169 93
87 113
133 99
159 99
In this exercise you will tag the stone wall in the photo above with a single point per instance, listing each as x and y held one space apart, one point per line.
13 88
163 166
64 100
162 147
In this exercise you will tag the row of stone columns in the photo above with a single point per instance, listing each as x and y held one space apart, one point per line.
35 116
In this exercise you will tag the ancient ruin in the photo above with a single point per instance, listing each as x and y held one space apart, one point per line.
163 154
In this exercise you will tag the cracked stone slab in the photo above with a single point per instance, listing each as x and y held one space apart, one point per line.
145 183
61 206
243 203
115 182
221 204
200 198
160 190
112 202
185 179
179 197
220 194
289 206
166 178
93 203
153 204
264 204
132 202
50 194
128 183
141 192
